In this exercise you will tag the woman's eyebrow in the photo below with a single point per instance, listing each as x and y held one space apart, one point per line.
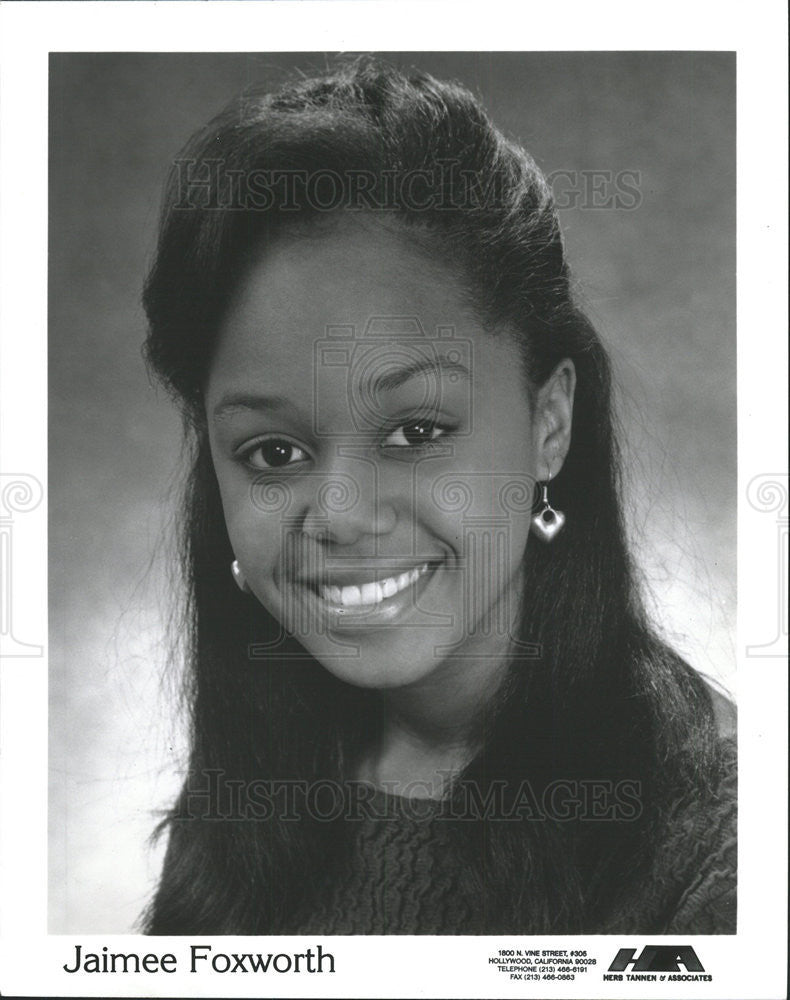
439 366
234 402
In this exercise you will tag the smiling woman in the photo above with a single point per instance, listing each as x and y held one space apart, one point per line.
389 555
413 681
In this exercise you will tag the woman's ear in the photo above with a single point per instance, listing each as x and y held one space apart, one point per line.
553 419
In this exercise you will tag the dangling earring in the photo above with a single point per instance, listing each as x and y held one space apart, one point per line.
548 521
239 577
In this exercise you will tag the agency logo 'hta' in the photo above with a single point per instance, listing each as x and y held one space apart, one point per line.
658 958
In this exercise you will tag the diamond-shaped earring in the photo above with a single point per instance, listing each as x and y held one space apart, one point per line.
548 522
239 577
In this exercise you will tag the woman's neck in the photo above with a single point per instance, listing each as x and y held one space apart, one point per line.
403 764
430 731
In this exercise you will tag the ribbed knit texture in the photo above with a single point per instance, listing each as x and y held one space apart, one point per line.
403 877
704 850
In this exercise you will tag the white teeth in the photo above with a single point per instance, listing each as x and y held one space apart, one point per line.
350 596
372 593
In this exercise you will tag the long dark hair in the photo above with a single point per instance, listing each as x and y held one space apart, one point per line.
605 699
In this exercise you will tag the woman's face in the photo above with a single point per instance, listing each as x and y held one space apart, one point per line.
375 456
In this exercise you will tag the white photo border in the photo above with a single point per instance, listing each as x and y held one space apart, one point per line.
751 965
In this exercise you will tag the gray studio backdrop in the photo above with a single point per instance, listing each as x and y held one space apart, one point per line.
657 273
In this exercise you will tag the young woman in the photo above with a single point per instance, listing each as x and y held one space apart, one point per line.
425 696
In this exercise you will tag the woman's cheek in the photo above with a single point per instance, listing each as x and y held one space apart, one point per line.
251 532
260 550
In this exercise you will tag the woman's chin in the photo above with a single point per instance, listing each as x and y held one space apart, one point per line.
377 669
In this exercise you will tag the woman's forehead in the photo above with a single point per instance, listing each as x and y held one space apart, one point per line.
385 364
352 290
344 273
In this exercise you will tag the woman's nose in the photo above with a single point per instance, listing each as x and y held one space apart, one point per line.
347 504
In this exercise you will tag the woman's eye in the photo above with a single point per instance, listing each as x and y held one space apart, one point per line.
274 454
413 434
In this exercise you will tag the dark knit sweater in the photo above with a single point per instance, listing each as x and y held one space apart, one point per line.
404 875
